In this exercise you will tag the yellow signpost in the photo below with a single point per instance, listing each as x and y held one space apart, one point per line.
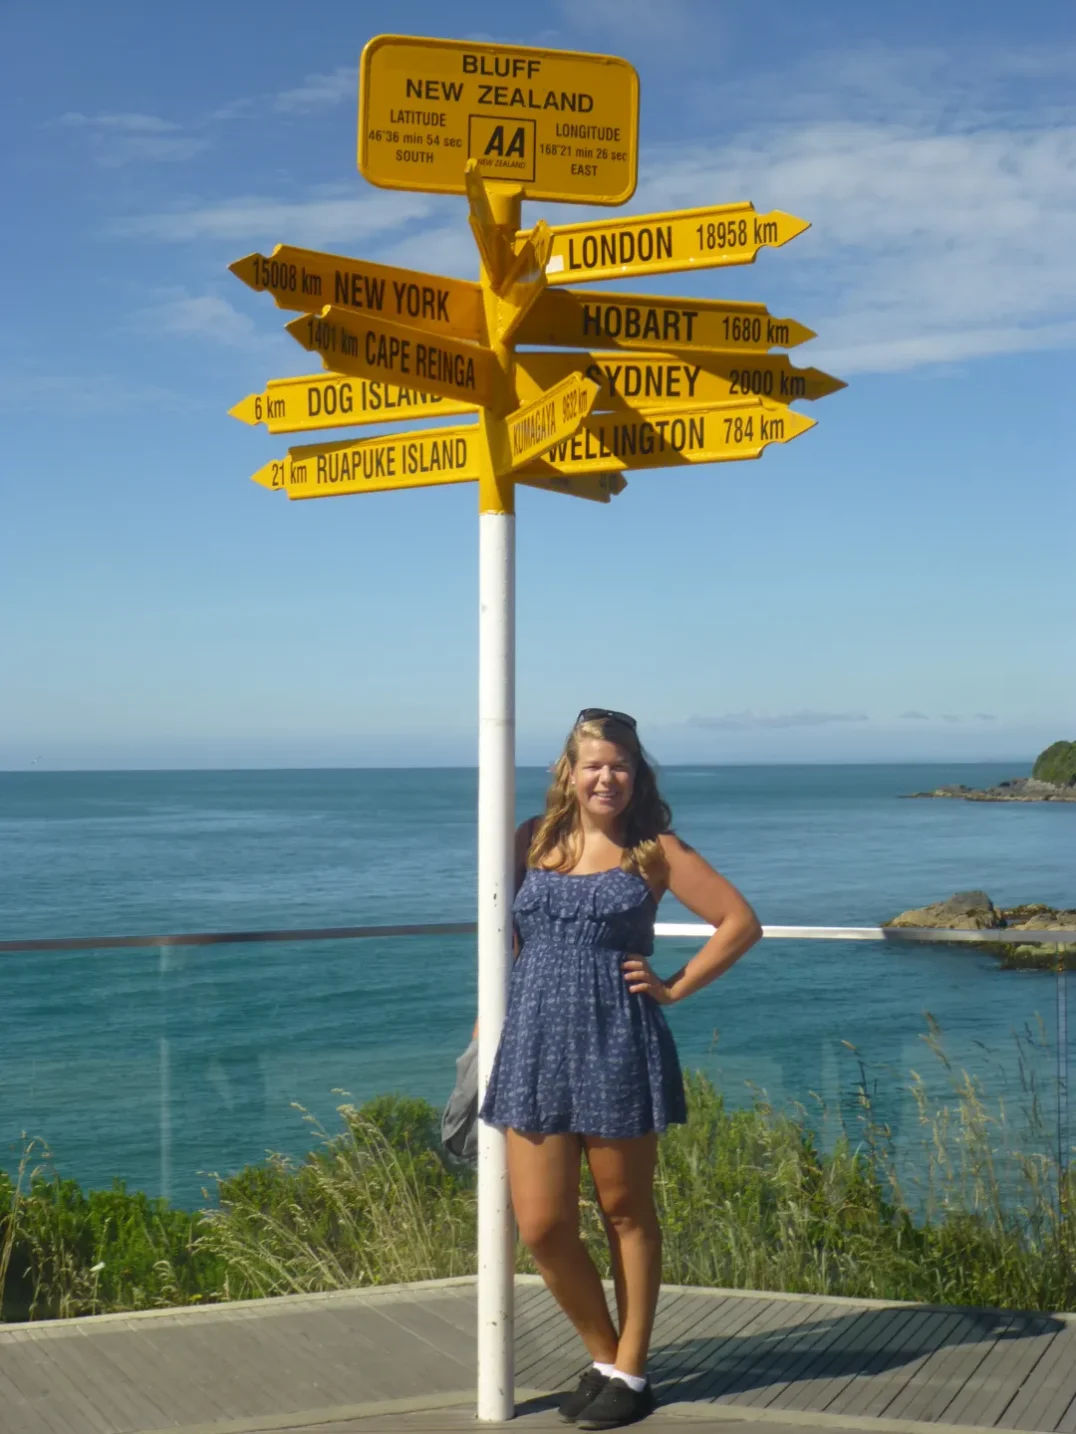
372 465
333 400
598 487
555 124
645 244
378 348
646 381
307 280
607 442
577 318
549 418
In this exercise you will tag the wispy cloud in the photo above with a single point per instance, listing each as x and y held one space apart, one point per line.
912 716
85 395
204 316
985 717
319 91
257 220
744 721
117 139
637 20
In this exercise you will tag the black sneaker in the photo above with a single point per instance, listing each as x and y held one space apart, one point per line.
591 1384
617 1404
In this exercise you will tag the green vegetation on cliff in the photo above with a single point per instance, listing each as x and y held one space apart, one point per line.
1057 764
749 1199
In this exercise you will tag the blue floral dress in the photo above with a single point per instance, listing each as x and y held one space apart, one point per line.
579 1051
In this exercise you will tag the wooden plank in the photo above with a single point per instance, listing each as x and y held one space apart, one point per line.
66 1403
898 1328
1054 1405
422 1324
1014 1356
1032 1398
738 1370
857 1335
794 1352
945 1370
902 1361
116 1348
866 1332
187 1374
973 1360
718 1335
117 1399
17 1406
381 1364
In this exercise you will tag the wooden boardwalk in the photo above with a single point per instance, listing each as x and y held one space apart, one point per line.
403 1359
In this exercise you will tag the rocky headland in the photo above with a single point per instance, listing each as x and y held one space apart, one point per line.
974 911
1053 779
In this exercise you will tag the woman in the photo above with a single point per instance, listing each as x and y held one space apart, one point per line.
586 1062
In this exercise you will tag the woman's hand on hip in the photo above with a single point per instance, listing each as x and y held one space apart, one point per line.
642 980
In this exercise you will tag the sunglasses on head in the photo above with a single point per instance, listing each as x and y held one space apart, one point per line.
599 714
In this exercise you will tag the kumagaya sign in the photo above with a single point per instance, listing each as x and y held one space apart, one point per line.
555 124
552 381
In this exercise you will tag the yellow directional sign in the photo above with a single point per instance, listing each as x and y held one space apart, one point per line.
493 245
378 348
333 400
523 284
597 487
665 243
307 280
547 419
372 465
576 318
664 440
647 381
555 124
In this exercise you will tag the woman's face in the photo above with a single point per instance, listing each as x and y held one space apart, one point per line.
604 778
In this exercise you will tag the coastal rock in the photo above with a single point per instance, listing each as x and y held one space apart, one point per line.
1053 779
966 911
974 911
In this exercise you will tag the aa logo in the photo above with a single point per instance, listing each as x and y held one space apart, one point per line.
516 145
505 149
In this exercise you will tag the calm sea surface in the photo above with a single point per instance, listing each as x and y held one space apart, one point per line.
161 1067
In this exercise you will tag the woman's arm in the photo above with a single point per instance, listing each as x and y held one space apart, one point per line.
695 883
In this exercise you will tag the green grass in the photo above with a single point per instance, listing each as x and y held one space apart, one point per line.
748 1198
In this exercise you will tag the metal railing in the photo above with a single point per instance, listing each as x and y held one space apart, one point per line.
996 936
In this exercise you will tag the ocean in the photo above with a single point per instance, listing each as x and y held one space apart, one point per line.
164 1068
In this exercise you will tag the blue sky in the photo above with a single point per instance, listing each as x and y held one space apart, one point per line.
895 584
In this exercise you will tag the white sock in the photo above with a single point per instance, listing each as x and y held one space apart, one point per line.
636 1382
606 1369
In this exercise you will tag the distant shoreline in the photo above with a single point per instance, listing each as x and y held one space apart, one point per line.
1020 789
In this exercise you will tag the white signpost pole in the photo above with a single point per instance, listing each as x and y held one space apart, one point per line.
496 883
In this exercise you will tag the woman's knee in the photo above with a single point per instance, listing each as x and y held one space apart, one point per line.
547 1228
628 1210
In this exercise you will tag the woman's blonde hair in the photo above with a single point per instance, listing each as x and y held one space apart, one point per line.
645 818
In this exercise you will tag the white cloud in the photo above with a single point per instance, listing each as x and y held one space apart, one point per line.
925 247
203 316
84 395
318 91
633 21
749 721
116 139
125 123
254 219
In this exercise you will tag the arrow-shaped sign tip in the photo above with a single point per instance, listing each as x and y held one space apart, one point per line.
245 268
791 225
264 476
244 409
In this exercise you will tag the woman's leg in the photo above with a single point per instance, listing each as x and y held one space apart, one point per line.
543 1171
623 1173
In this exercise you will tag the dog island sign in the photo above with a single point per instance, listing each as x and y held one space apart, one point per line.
556 124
